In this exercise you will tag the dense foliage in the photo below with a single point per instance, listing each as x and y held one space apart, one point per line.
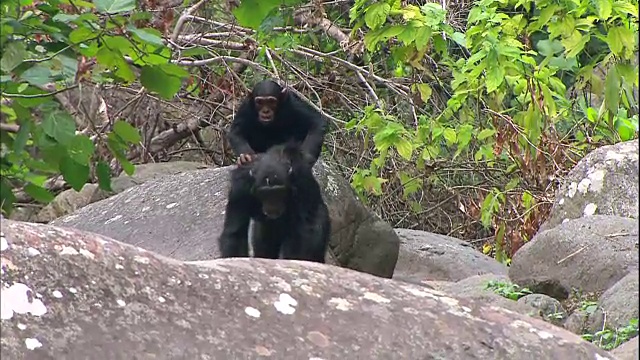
490 111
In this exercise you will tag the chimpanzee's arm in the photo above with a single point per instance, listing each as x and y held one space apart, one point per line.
233 241
312 143
237 133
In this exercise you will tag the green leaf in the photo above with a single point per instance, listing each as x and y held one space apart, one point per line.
126 132
38 193
114 60
604 8
104 176
626 8
196 51
151 36
127 166
118 148
81 149
512 184
162 79
450 136
373 184
81 34
626 129
23 136
404 148
575 43
422 37
13 54
592 115
7 198
424 90
73 173
114 6
549 47
391 31
621 37
459 38
410 185
251 13
495 77
37 75
612 91
65 18
60 126
408 35
485 133
376 15
464 135
436 132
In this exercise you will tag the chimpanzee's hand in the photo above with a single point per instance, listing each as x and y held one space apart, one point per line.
245 159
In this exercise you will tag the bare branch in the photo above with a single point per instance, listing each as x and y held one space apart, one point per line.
185 15
14 128
37 96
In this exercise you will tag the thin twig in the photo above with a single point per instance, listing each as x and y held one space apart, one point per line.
37 96
273 65
571 255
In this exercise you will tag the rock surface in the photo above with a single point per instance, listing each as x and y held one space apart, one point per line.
590 254
604 182
550 309
71 294
429 256
617 305
628 350
475 288
181 216
69 201
152 171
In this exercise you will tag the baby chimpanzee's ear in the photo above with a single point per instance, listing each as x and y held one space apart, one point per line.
291 150
297 155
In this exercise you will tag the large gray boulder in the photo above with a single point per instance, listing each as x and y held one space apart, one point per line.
428 256
604 182
618 305
589 254
68 294
628 350
181 216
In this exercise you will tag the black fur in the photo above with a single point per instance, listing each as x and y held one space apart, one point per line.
294 120
280 179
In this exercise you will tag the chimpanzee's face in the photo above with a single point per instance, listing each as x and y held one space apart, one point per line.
271 173
266 107
267 96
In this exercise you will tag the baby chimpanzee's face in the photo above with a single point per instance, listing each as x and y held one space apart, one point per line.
271 172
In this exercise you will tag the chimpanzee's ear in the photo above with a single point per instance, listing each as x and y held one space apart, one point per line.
284 93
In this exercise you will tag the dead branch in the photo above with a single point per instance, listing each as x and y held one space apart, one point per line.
183 130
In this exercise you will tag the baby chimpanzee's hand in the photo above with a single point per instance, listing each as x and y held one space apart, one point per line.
245 159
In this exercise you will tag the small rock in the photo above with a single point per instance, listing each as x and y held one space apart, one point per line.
550 309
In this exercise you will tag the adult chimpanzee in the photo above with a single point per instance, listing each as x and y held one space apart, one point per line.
272 115
279 192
